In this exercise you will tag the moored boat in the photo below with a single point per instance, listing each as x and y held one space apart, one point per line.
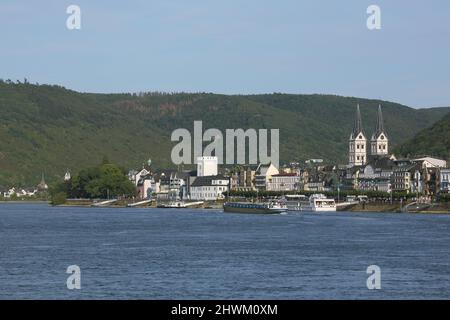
259 208
181 205
315 203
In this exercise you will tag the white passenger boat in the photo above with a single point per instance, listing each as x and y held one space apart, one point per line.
315 203
181 205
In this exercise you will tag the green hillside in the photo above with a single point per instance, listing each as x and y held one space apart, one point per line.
433 141
49 128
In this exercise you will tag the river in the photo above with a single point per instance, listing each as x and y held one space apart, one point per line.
132 253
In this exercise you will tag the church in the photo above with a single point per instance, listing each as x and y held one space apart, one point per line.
358 149
370 166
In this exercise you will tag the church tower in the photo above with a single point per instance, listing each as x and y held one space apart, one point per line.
379 142
357 143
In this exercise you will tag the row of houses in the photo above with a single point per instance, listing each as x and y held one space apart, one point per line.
312 177
382 173
205 183
17 192
427 176
10 192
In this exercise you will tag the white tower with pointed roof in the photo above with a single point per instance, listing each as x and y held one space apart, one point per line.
379 142
357 143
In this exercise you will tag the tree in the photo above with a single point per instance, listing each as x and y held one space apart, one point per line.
96 182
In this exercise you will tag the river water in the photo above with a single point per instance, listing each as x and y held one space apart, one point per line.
131 253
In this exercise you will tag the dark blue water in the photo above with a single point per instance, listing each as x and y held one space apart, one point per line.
194 254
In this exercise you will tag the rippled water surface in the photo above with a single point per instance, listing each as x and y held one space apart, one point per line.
207 254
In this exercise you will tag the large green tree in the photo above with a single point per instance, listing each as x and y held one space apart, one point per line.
105 180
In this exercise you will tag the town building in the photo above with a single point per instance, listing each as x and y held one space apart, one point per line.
402 178
171 185
430 162
134 176
3 191
207 166
284 182
263 176
444 180
18 192
316 186
375 176
67 176
209 188
243 178
146 186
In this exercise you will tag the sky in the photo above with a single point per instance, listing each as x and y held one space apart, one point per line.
233 47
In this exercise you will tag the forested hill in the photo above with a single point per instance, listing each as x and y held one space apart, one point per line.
434 141
50 129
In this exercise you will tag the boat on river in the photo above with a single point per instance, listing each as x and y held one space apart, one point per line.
315 203
258 208
181 205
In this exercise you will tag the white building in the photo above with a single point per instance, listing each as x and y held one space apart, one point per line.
135 176
19 192
8 193
428 162
67 176
27 192
209 188
357 143
207 166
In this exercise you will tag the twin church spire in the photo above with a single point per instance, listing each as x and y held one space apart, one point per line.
358 141
380 124
357 127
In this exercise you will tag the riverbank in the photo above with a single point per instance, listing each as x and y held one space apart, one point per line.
442 208
125 203
438 208
23 201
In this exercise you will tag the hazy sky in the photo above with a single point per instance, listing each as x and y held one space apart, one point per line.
231 46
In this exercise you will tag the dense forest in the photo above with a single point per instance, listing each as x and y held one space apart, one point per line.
49 129
434 141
